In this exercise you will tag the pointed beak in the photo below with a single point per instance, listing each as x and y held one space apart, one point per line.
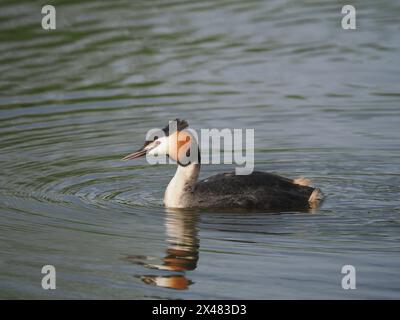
142 151
139 153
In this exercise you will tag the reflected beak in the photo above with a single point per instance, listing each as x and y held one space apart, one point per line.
139 153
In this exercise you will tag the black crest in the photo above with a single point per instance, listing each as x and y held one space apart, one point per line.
180 125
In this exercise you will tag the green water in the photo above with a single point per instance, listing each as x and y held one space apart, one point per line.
324 103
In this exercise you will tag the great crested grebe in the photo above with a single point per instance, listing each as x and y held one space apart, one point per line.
258 190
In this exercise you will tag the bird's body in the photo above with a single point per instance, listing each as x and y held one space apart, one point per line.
258 190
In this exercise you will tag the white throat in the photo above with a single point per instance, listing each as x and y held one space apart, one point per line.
180 189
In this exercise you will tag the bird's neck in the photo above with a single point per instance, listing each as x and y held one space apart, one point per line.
180 188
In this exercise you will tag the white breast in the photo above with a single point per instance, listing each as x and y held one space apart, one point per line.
174 195
179 191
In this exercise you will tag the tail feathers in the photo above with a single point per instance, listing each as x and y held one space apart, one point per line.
315 198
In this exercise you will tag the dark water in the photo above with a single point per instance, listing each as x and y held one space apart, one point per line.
324 103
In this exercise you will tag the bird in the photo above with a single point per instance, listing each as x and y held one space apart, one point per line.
255 191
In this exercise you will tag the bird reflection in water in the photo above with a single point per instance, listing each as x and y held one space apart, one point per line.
182 253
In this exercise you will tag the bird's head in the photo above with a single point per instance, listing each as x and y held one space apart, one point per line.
172 141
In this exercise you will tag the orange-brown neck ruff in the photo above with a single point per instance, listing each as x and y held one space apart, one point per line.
183 148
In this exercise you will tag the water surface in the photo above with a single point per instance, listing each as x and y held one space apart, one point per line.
324 103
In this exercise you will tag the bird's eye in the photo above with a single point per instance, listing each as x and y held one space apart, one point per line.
155 138
187 139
